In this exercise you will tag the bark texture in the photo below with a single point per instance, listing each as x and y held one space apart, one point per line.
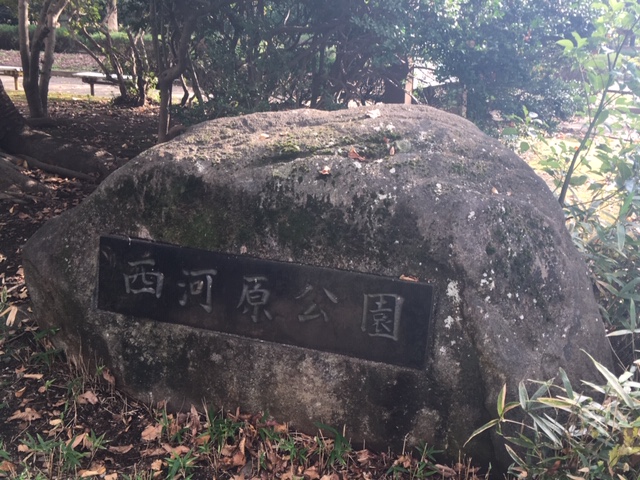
36 74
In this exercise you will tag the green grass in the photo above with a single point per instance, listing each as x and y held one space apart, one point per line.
19 96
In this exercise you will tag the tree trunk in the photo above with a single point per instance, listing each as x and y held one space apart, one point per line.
140 67
111 18
30 61
408 84
36 81
53 14
168 75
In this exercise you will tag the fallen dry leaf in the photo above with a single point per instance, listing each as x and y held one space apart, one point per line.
156 465
33 376
409 278
28 415
111 476
278 427
20 392
234 456
75 441
87 397
11 318
194 421
94 471
446 472
177 451
22 448
151 433
121 449
153 452
106 374
227 450
7 466
237 460
363 457
355 155
312 473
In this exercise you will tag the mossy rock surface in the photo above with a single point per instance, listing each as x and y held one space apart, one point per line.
409 192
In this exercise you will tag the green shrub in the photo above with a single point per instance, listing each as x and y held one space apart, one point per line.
598 177
9 37
567 435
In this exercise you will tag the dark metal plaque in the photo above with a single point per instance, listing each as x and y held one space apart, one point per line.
361 315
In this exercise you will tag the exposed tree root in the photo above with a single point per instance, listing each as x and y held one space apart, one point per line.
65 172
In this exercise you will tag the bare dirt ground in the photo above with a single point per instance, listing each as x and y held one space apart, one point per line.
124 132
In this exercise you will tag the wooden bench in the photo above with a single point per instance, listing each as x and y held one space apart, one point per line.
100 78
15 72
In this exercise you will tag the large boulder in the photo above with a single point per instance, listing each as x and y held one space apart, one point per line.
394 191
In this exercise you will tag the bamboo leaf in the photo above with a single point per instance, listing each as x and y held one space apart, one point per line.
547 430
566 383
501 400
523 396
486 426
622 236
515 456
619 333
630 286
544 388
564 405
612 381
624 209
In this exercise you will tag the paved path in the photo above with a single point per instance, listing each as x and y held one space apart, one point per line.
74 86
71 85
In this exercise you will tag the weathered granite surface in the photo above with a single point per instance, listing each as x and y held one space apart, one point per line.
414 192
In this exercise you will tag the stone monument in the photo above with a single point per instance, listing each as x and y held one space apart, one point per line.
386 269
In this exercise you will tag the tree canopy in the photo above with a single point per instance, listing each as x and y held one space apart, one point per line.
253 55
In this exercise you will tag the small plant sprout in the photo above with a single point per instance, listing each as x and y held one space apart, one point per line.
181 466
337 450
